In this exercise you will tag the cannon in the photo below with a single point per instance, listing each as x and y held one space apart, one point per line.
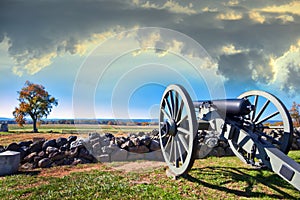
191 129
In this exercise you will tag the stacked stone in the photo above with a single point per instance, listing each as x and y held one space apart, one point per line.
104 148
296 139
140 146
47 153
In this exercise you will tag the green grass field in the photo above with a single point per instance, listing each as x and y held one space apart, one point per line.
210 178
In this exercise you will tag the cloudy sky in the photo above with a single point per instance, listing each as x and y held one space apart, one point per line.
113 59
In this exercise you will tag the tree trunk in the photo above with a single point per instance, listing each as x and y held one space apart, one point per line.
35 130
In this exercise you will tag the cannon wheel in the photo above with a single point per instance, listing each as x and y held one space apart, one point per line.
177 129
266 107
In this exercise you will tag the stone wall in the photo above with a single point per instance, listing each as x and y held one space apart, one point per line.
47 153
103 148
139 146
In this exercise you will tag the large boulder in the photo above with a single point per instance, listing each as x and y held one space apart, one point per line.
61 141
12 147
44 163
36 146
25 143
49 143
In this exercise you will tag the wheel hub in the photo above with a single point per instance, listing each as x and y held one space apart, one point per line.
172 128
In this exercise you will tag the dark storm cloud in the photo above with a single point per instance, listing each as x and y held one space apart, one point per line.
37 28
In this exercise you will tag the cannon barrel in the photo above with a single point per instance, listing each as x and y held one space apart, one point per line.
237 107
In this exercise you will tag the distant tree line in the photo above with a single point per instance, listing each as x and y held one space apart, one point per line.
95 121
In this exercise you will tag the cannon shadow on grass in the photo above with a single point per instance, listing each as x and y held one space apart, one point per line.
233 175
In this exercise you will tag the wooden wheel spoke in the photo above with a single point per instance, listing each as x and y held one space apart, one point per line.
168 105
171 149
179 150
176 105
255 107
183 142
168 142
262 110
172 103
181 120
268 117
178 116
166 114
164 134
175 153
184 131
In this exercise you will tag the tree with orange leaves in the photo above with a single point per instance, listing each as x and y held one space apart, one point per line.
35 102
294 112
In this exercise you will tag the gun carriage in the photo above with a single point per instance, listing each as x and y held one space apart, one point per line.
241 121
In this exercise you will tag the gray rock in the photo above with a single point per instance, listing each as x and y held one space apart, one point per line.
140 134
127 144
84 153
72 138
61 141
25 143
120 141
145 140
76 144
77 161
94 136
86 143
119 155
114 147
49 143
36 159
27 166
107 150
36 146
229 152
23 152
44 163
154 145
109 135
97 149
12 147
135 156
72 153
42 154
138 149
218 152
2 149
105 142
103 158
29 158
135 141
57 156
50 150
154 155
58 162
155 132
94 140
